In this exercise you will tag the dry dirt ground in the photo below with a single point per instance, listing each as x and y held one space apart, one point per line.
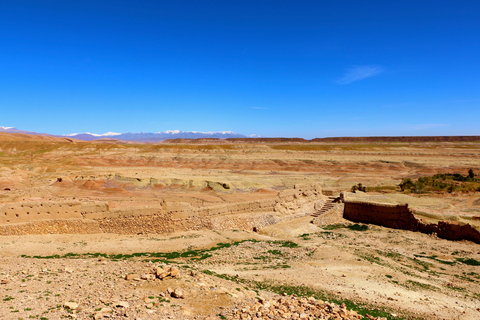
373 270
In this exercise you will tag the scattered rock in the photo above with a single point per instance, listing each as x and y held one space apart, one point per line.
178 293
132 276
165 271
148 277
122 304
70 305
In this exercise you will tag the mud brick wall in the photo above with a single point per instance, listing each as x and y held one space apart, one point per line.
96 217
401 217
391 216
451 230
20 212
71 226
247 222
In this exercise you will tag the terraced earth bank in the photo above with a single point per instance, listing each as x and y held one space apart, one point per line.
86 227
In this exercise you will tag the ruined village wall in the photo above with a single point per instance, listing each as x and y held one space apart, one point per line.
48 210
96 217
453 231
401 217
67 226
391 216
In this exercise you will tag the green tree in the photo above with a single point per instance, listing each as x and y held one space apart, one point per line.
354 188
471 175
406 183
451 188
361 187
419 186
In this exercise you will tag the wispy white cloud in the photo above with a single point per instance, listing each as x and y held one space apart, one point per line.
357 73
426 126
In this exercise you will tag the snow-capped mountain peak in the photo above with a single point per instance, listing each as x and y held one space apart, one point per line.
142 136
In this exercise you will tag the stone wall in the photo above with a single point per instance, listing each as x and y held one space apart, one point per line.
401 217
96 217
22 212
69 226
452 230
391 216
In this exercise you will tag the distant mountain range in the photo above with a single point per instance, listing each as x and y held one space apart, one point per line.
139 137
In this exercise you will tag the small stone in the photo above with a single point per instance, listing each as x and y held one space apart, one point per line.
4 281
148 277
122 304
70 305
68 270
162 272
174 272
178 293
103 313
132 276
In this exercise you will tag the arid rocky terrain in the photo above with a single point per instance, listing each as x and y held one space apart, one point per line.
224 231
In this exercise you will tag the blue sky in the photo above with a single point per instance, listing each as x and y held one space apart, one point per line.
271 68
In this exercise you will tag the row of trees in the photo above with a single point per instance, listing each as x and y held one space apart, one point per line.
438 182
359 187
441 181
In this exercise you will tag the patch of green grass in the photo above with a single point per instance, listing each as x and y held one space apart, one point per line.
356 227
286 244
370 258
222 276
434 257
305 236
469 261
392 255
419 285
334 226
192 254
277 252
263 258
426 266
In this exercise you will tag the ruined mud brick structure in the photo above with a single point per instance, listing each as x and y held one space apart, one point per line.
96 216
402 217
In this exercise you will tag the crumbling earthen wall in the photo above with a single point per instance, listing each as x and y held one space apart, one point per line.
401 217
452 230
48 210
391 216
164 218
68 226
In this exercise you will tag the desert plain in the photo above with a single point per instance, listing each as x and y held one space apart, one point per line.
230 230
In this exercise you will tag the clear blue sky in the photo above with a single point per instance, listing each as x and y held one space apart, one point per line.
272 68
